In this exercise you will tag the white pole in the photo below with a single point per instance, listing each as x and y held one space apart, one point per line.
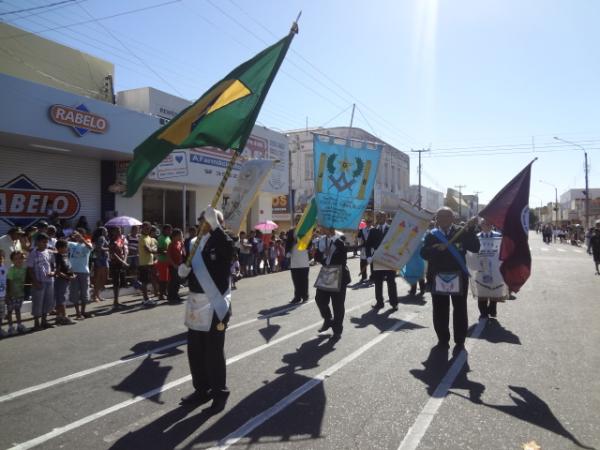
184 192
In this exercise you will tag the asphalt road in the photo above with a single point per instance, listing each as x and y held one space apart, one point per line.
532 376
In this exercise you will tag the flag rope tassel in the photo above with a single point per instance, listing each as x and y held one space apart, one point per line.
214 201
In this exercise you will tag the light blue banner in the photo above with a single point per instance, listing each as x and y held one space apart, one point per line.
345 173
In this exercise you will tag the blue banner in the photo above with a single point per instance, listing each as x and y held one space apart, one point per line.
345 173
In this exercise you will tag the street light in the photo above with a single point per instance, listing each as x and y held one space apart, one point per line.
587 189
555 198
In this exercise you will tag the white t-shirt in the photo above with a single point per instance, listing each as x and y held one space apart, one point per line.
9 246
299 258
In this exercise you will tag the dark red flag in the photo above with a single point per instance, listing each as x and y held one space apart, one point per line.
509 212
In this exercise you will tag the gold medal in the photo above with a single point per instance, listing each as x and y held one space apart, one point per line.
220 326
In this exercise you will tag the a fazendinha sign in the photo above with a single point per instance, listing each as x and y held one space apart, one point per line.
79 118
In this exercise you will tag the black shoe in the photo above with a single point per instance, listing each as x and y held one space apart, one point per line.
335 337
218 404
483 316
326 326
304 300
442 345
394 306
377 305
196 398
295 300
457 349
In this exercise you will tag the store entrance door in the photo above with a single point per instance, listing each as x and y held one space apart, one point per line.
166 206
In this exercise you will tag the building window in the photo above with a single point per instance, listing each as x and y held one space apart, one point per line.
309 166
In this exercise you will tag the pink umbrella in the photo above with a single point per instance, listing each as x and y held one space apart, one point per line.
362 224
122 221
266 225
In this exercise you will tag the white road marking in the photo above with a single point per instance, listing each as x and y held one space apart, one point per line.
577 251
562 250
135 357
544 249
151 393
258 420
416 432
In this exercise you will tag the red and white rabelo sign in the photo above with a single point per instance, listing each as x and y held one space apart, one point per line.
23 202
79 118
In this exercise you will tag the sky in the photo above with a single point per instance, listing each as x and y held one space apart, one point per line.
485 85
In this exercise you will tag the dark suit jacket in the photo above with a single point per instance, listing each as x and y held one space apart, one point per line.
338 258
443 261
290 240
217 254
375 237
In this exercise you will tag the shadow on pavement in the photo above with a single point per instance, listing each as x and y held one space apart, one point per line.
173 428
150 346
530 408
412 300
382 322
269 331
434 369
277 311
168 431
495 333
147 376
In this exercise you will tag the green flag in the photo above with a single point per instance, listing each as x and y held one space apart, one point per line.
223 117
306 225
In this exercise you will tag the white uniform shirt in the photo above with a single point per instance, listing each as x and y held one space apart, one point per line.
199 311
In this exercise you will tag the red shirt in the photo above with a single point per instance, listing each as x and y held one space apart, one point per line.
175 252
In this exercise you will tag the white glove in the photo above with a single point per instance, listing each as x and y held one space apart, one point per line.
369 260
210 216
183 270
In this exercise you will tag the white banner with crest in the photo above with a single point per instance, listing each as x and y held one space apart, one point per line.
484 267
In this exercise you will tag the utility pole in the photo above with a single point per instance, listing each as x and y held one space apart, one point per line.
477 197
587 187
351 120
419 198
459 187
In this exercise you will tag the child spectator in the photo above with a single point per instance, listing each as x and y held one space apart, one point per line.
117 251
3 273
272 256
79 289
63 276
100 261
51 237
175 256
132 251
280 252
40 265
235 271
16 290
162 263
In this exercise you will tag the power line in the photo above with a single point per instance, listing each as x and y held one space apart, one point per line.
33 8
148 66
131 11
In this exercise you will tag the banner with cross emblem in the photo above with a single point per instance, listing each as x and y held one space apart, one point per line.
345 172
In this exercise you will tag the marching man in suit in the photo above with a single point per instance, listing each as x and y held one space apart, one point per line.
381 273
449 274
208 311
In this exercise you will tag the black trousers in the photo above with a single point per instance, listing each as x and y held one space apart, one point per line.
322 298
487 308
363 269
207 358
173 287
300 280
441 317
379 276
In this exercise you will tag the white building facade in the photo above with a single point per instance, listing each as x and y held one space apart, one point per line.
392 182
431 200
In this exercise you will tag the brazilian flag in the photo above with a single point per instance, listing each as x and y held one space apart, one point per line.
223 117
306 225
